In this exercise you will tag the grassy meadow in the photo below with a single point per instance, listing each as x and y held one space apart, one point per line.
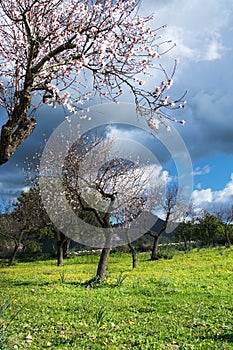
181 303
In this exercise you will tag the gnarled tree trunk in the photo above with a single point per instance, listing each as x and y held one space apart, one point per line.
16 248
154 252
133 254
17 128
66 248
102 265
61 246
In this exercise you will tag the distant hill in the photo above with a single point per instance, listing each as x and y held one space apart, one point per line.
49 245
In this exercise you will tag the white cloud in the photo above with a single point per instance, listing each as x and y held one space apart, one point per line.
196 28
207 198
202 171
157 175
199 186
226 194
26 189
214 51
178 36
202 197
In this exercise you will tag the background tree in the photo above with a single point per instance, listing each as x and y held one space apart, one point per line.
209 229
6 228
127 218
25 223
173 208
61 51
46 227
63 243
184 233
19 224
225 216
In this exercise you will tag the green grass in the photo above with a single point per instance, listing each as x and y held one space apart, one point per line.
182 303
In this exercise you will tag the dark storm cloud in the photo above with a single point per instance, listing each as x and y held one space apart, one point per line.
12 175
209 115
205 70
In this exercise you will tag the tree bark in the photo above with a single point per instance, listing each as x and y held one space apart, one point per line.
16 248
13 256
154 252
66 248
59 253
11 139
227 236
133 254
17 128
102 265
61 246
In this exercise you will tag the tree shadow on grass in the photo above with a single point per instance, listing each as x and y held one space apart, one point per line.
224 337
31 283
227 337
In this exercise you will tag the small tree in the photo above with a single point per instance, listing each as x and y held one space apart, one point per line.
173 209
62 51
9 231
19 223
130 214
209 228
225 216
184 233
62 245
41 220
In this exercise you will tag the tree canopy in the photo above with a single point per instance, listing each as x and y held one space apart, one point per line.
65 51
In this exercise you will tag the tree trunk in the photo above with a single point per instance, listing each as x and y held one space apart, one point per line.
102 265
59 253
13 256
154 252
16 248
227 236
134 255
66 248
185 243
18 127
210 238
61 242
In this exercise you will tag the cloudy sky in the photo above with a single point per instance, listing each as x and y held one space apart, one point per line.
203 35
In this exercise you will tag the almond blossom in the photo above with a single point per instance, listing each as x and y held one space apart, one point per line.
49 47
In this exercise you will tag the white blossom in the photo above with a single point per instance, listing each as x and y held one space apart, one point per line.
153 123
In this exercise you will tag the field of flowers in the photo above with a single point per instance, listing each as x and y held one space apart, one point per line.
181 303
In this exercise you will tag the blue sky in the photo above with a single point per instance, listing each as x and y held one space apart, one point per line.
203 34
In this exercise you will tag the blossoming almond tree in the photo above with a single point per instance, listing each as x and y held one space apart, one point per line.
110 195
63 51
116 193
